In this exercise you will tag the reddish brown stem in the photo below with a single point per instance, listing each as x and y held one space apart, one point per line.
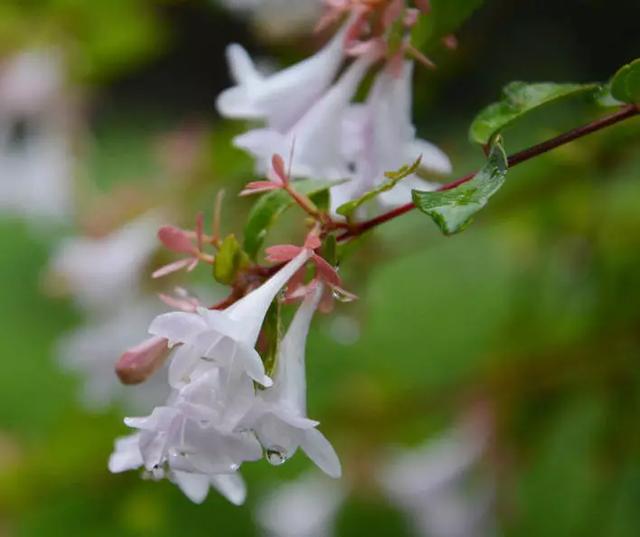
622 114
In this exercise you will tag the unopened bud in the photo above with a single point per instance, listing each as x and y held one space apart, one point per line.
140 362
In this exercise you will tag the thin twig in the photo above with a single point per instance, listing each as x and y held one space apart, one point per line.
622 114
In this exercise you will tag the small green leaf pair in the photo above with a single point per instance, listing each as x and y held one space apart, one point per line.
348 208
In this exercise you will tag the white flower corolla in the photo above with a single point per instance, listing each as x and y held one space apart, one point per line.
279 416
103 273
306 507
194 440
280 99
36 159
127 456
92 350
379 136
433 485
225 338
317 136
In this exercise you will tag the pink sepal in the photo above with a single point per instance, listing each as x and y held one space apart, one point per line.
326 272
183 303
180 264
282 253
281 176
256 187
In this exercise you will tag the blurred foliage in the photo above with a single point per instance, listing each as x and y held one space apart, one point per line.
534 309
100 39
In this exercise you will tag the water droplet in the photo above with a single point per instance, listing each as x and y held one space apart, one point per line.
275 456
342 296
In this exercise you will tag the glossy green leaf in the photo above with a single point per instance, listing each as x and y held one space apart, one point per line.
625 84
446 17
229 260
519 99
393 178
453 210
270 206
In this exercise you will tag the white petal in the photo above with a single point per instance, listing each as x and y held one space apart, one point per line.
433 158
283 97
252 308
194 486
251 362
231 486
290 386
160 418
243 71
321 452
177 327
126 455
183 361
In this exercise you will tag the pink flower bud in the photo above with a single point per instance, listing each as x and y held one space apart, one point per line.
176 240
140 362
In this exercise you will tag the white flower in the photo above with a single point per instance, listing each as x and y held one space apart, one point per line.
36 160
379 136
317 135
432 485
306 507
279 417
194 440
127 456
282 98
223 338
103 273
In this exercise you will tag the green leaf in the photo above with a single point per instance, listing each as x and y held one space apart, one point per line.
453 210
520 98
625 84
229 260
446 17
270 337
394 177
270 206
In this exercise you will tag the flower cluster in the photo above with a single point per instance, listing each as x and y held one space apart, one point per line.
238 391
311 105
224 408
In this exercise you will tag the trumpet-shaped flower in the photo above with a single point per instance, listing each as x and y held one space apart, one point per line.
210 337
279 417
282 98
317 135
379 136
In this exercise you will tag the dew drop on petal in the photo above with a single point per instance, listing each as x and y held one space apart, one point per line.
275 455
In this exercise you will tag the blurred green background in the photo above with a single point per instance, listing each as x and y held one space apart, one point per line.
534 311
